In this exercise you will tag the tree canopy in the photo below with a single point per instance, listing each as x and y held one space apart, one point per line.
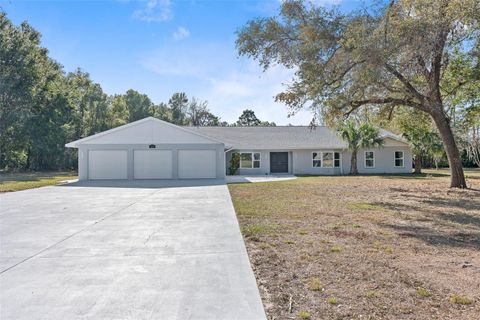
383 57
249 119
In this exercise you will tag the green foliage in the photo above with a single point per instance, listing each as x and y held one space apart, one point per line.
23 181
424 293
234 163
255 230
314 284
302 314
178 104
359 136
335 249
139 105
459 299
248 119
199 115
419 130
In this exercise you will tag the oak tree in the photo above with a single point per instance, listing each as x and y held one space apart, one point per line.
393 55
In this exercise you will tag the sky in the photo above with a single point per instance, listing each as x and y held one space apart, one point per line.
159 47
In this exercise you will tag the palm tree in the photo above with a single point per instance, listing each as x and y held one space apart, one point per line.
359 136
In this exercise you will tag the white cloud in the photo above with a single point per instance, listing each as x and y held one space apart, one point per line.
229 94
183 59
154 11
212 72
181 33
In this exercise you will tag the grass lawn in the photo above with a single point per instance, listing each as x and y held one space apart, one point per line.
22 181
366 247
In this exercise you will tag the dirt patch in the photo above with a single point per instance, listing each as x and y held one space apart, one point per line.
370 247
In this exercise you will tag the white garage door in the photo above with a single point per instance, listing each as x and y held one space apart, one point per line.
196 164
107 164
152 164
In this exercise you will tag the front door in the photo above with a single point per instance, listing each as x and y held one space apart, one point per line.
278 162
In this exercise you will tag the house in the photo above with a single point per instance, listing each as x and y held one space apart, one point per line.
305 150
155 149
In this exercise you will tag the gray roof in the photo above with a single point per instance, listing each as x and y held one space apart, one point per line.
280 137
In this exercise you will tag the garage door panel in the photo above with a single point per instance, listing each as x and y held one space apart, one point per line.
107 164
153 164
197 164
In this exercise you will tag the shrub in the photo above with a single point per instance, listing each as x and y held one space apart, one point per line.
314 284
332 300
304 315
335 249
422 292
458 299
234 164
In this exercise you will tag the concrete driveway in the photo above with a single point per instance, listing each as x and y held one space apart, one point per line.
117 250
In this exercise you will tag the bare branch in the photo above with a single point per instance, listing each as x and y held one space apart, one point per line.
405 82
386 101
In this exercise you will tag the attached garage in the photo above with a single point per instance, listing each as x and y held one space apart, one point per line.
107 164
149 149
153 164
196 164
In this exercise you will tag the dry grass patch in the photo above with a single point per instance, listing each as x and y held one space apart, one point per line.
10 182
304 315
459 299
376 243
314 284
424 293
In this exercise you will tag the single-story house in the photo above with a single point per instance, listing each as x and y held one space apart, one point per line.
154 149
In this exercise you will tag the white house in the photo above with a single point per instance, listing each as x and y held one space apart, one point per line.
155 149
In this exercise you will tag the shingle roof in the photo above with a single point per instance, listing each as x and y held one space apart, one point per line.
280 137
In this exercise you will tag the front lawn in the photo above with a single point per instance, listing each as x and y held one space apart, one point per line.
367 247
29 180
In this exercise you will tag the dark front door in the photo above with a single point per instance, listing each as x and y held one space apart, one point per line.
279 162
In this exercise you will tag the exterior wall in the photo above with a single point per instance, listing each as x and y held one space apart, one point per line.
154 131
384 160
264 162
300 161
303 163
84 148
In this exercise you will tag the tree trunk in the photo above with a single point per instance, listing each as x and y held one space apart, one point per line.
457 179
353 163
418 164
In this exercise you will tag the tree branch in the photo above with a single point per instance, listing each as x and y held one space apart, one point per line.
423 65
405 82
389 100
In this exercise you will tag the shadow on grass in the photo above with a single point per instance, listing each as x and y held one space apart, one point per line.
414 175
461 218
472 203
430 220
437 237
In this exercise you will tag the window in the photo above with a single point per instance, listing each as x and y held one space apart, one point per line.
249 160
327 159
399 159
369 159
256 159
336 160
317 162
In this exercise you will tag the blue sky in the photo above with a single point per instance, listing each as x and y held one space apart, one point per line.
159 47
